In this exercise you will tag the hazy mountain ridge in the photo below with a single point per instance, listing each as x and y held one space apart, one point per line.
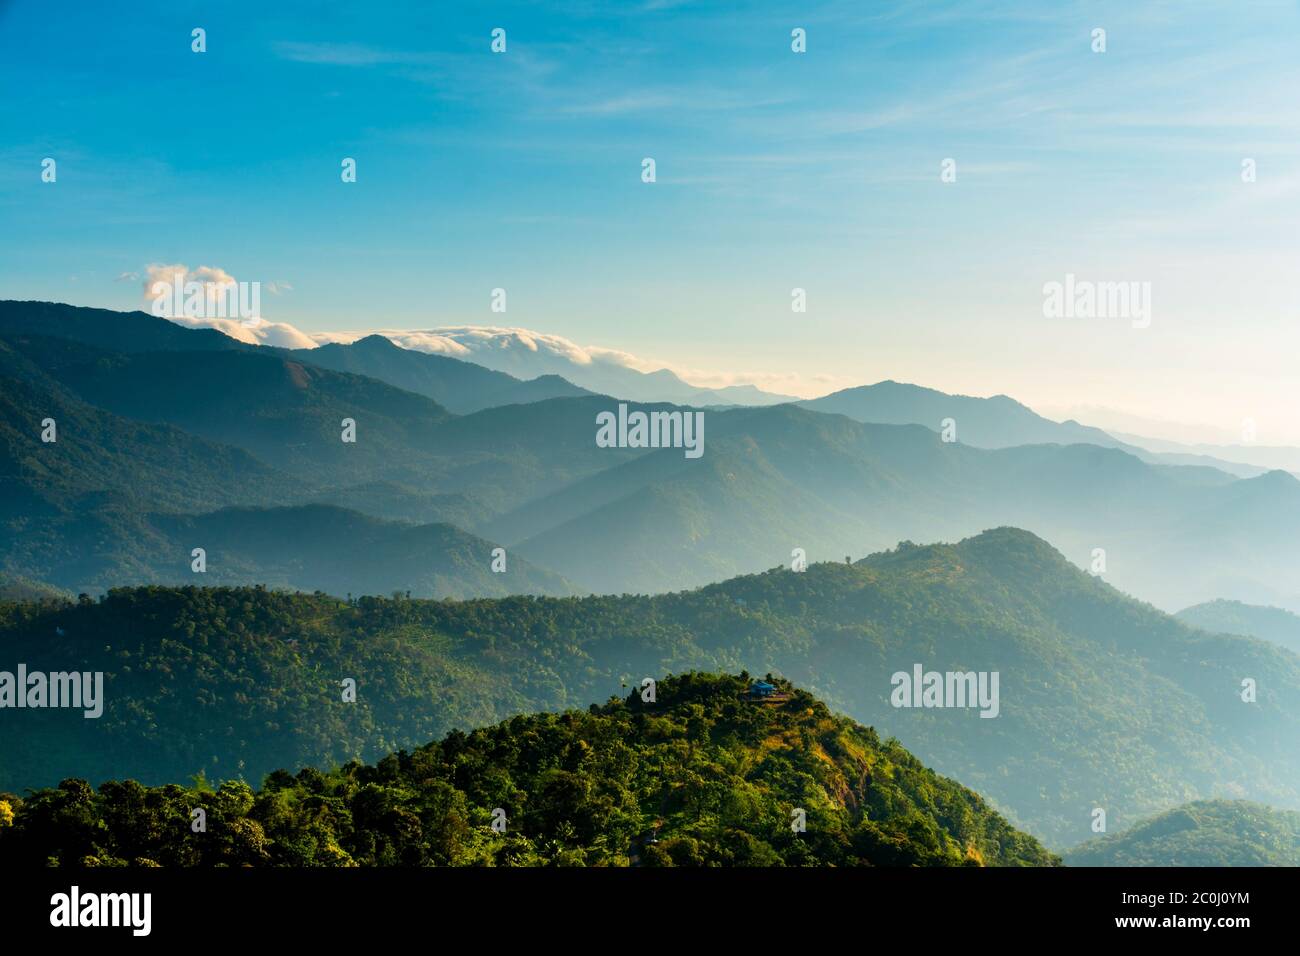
528 354
1285 457
998 422
319 547
781 478
1204 833
288 414
108 329
1233 617
772 479
85 512
95 450
460 386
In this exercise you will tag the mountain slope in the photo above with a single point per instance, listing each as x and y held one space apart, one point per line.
107 329
1204 833
330 549
411 459
771 480
1283 457
461 387
1104 701
106 505
307 548
527 354
286 413
763 488
996 422
16 588
775 479
514 369
1233 617
699 777
154 465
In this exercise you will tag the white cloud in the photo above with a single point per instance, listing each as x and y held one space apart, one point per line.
527 353
252 329
212 279
499 345
522 352
341 54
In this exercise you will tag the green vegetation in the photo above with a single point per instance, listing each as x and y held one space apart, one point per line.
280 410
102 458
1249 620
1205 833
609 520
1104 700
702 776
308 548
99 505
236 682
171 439
17 588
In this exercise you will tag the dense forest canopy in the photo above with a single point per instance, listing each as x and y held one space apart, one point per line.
703 775
1104 700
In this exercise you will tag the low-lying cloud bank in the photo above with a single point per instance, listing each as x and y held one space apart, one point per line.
518 351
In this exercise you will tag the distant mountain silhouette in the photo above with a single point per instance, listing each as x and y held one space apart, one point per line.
1203 833
288 413
459 386
997 422
108 329
528 354
775 479
1233 617
265 428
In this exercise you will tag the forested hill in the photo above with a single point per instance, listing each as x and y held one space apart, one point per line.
1205 833
702 775
1104 701
1233 617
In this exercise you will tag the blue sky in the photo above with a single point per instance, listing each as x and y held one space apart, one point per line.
775 170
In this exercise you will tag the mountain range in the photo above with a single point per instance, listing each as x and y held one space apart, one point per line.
1285 457
528 354
461 387
1002 422
1103 701
159 419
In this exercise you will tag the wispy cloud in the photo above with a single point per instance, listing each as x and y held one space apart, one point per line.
343 54
672 101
